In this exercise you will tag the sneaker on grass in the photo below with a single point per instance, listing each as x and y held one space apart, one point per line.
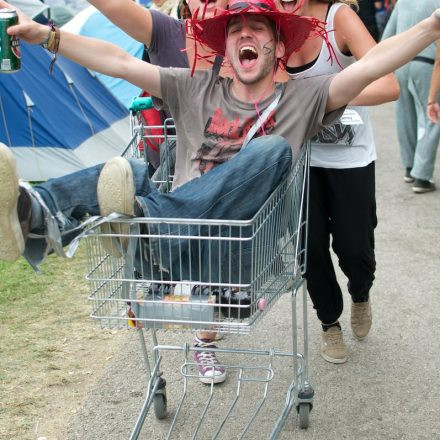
333 348
209 367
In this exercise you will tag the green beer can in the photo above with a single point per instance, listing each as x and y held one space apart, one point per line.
10 55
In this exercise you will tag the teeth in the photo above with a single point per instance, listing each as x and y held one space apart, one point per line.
288 2
247 48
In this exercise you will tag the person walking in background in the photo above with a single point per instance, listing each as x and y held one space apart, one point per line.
433 106
418 136
367 13
342 204
383 11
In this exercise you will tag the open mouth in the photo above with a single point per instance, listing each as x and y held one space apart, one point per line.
247 56
288 5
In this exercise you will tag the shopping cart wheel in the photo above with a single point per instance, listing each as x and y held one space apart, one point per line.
160 405
160 399
303 415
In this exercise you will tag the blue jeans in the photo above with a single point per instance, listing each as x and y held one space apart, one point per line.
234 190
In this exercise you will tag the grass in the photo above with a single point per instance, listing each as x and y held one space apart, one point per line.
26 296
47 346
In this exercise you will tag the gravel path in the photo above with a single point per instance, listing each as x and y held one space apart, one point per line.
388 389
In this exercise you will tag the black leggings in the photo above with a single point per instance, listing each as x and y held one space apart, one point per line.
341 205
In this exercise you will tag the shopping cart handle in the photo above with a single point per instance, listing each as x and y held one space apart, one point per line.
141 103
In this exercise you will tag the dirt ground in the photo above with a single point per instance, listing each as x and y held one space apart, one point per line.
57 391
51 355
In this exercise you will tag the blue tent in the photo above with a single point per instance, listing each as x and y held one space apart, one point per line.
91 23
60 123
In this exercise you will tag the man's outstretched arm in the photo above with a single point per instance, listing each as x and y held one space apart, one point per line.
94 54
132 18
382 59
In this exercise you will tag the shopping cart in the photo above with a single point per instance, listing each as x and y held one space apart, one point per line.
219 275
159 139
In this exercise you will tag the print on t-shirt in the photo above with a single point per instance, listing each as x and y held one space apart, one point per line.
335 134
225 137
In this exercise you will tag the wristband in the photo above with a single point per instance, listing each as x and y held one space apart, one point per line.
52 43
44 43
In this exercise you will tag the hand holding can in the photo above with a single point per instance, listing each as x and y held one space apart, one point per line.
10 55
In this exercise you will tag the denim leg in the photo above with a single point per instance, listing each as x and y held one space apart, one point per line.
234 190
68 200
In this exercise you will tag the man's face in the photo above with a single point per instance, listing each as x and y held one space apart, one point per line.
251 48
211 5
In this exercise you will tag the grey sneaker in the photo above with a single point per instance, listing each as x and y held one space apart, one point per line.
423 186
333 348
11 236
116 193
209 367
361 319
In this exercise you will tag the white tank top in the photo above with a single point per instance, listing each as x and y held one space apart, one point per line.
349 143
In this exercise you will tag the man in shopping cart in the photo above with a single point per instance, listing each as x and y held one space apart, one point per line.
237 137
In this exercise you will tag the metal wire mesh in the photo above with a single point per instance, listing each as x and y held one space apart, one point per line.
221 275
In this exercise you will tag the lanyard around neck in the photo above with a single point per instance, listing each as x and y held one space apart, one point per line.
262 119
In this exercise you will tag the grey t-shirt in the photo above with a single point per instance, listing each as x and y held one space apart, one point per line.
211 124
167 41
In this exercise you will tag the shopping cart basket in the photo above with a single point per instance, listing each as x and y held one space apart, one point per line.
224 277
162 137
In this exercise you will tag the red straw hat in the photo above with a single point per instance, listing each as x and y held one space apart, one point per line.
293 29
